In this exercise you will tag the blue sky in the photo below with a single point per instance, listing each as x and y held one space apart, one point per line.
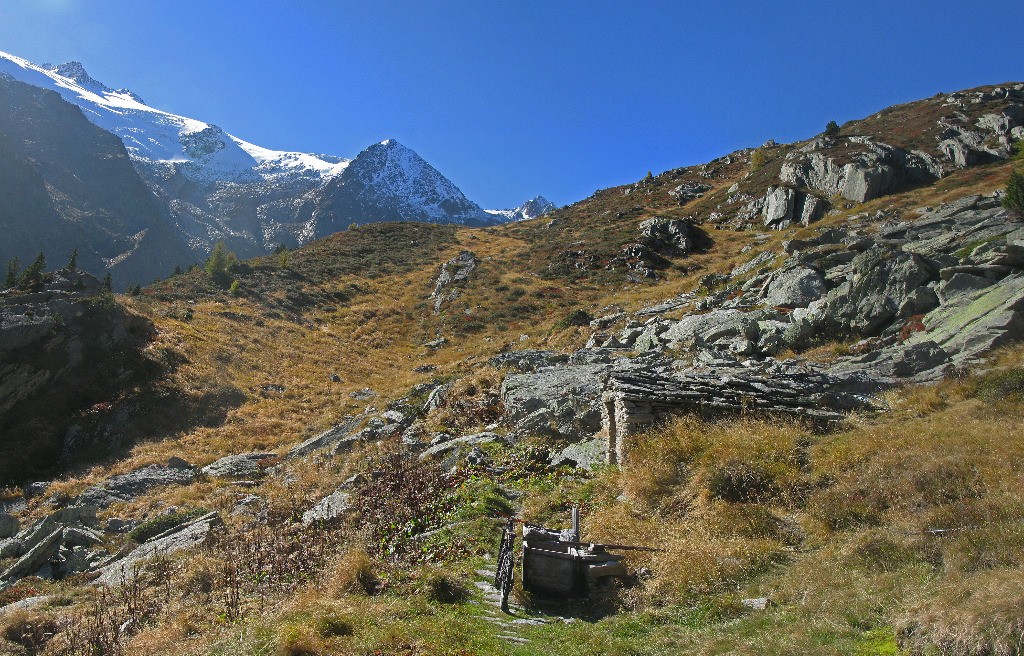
514 99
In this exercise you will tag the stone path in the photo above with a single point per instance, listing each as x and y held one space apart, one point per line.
507 625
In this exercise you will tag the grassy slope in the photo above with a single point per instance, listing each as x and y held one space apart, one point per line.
831 531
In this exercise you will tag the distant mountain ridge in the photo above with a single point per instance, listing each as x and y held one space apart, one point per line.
531 209
214 186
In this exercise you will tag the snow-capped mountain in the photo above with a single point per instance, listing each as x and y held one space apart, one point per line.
218 187
389 182
531 209
203 151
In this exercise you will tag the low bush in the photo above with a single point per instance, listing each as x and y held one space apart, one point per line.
352 573
154 527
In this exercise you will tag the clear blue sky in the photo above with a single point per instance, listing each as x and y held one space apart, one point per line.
512 99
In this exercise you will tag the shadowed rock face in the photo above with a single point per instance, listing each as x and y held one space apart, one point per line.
66 184
64 347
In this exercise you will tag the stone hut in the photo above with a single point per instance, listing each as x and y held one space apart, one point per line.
633 400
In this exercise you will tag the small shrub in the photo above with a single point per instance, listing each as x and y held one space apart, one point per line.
298 640
881 553
333 626
978 615
758 159
30 631
353 573
738 481
578 317
444 589
154 527
1000 385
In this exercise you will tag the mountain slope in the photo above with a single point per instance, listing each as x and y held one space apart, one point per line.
401 389
67 184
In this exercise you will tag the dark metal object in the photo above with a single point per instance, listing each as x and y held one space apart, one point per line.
504 572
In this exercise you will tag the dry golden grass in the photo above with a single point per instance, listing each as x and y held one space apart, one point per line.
975 615
352 573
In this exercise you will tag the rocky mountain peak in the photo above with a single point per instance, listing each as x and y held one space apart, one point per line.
74 70
531 209
536 206
390 182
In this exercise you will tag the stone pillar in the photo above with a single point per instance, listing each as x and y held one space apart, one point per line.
608 422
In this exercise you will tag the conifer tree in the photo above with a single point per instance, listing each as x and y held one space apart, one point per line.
34 272
13 265
217 263
1014 198
73 260
108 283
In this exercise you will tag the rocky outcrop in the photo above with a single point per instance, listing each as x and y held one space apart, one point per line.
328 510
55 546
870 299
976 321
243 465
667 236
688 191
64 347
173 540
557 401
129 486
454 273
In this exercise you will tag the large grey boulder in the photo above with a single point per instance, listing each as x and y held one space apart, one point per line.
923 361
959 285
178 538
329 509
563 401
9 525
449 452
971 324
581 455
871 297
327 438
796 287
667 236
125 487
706 330
780 203
243 465
813 209
454 272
